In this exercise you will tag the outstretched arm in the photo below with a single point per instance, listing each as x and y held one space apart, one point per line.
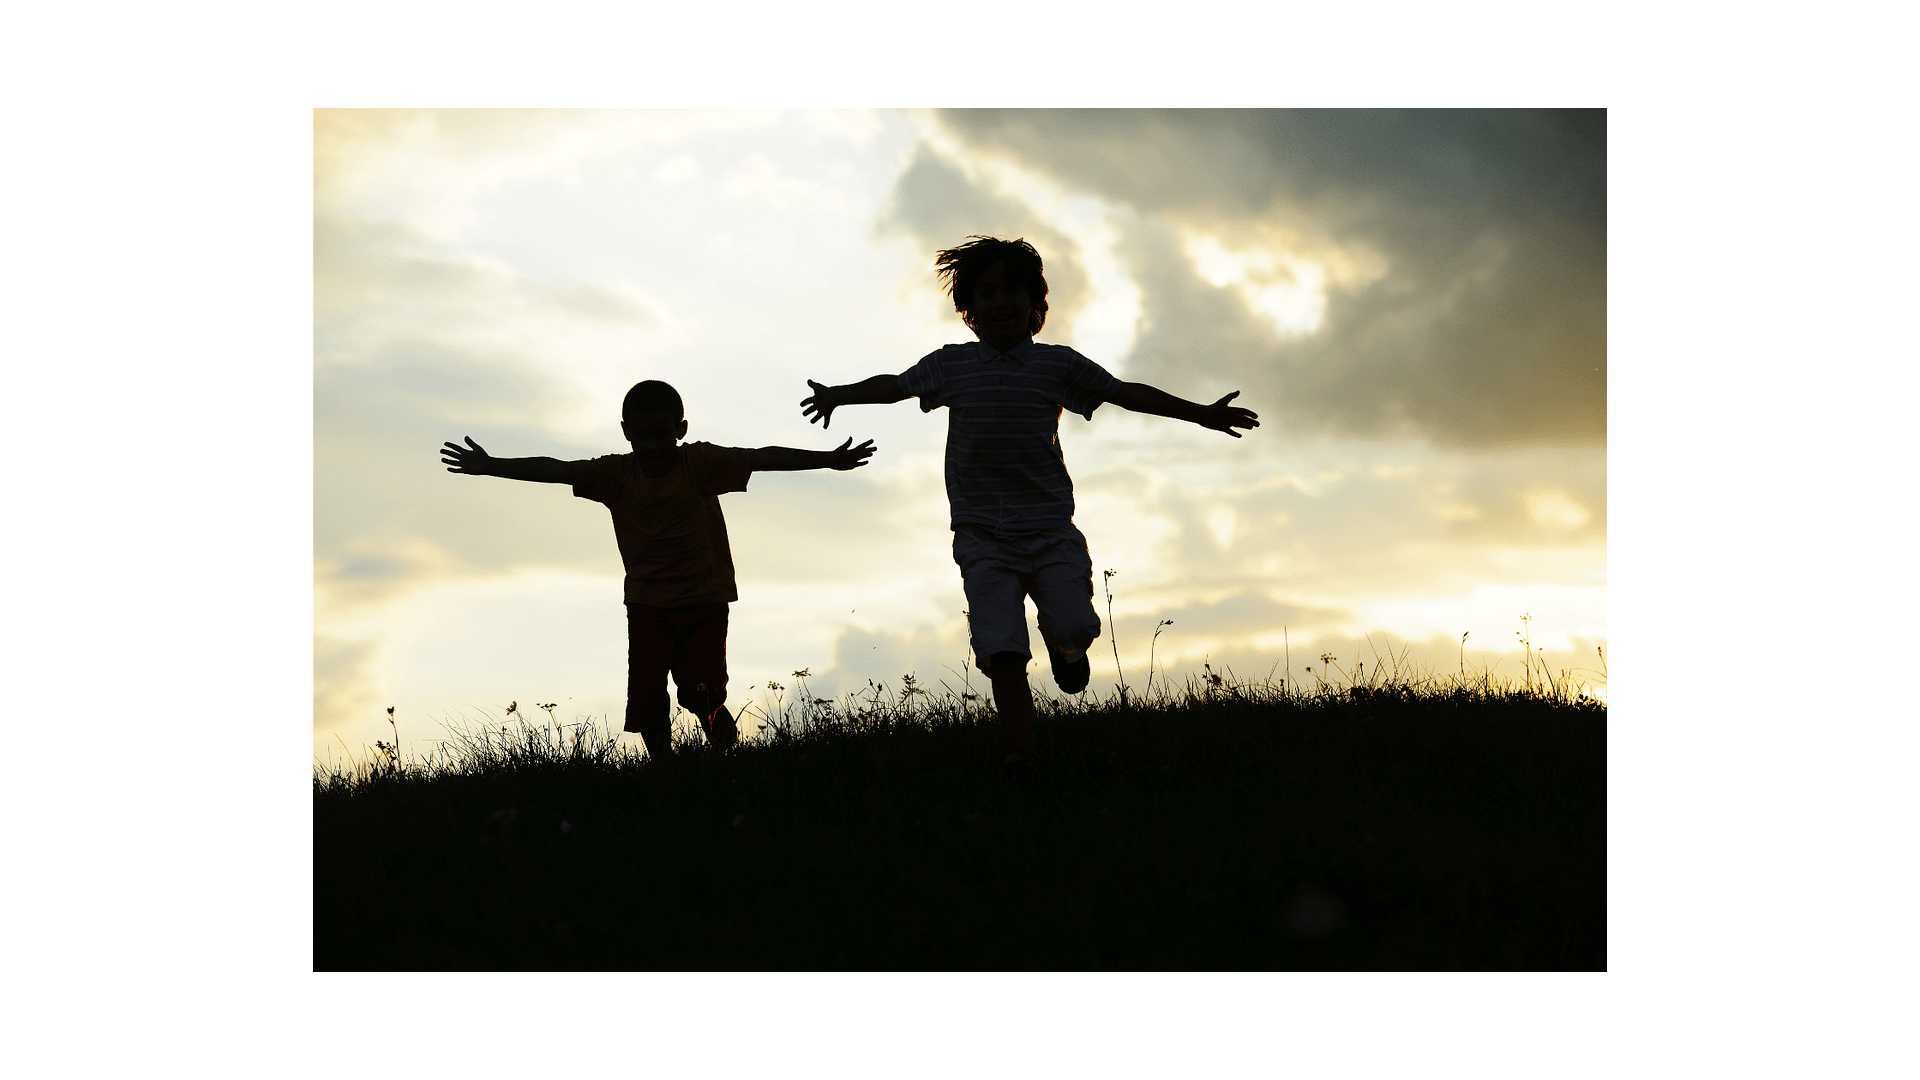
787 459
879 390
1219 416
474 461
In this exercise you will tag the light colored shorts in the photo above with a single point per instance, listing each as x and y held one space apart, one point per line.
999 572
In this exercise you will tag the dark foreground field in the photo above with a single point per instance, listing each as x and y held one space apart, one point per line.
1404 827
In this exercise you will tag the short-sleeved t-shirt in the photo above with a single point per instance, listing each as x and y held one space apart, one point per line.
673 539
1003 464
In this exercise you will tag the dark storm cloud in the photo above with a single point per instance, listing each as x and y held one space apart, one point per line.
1488 326
937 205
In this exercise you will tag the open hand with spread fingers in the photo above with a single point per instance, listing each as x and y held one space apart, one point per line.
1223 417
845 458
470 459
818 407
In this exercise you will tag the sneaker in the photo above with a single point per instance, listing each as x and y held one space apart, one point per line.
1020 770
1070 677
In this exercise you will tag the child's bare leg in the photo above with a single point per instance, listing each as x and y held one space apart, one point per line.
649 709
659 740
1013 699
650 716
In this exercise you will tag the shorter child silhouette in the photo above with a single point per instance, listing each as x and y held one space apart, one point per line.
665 503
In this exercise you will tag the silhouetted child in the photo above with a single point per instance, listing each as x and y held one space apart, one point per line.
1007 483
665 503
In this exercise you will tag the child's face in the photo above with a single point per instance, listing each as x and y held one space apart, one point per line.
1001 312
653 435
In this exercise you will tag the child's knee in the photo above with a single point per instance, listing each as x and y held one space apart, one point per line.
1076 630
700 698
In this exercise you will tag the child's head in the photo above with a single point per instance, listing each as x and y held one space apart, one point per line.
960 270
652 418
652 396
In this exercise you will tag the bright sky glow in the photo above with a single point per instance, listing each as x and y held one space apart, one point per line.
1289 291
509 276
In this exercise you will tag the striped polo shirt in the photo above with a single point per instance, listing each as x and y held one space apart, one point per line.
1004 466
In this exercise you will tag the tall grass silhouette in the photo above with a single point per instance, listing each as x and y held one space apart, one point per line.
1378 817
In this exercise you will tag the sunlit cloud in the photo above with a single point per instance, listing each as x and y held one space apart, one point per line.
1292 292
856 126
1464 254
1552 507
757 177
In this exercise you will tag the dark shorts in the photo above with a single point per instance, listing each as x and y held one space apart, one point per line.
691 644
1000 572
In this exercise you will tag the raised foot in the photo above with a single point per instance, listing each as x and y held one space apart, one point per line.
1071 668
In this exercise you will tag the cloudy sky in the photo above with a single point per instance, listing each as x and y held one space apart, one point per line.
1415 304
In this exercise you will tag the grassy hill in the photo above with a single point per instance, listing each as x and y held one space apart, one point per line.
1399 823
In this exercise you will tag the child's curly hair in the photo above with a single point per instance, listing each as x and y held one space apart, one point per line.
960 269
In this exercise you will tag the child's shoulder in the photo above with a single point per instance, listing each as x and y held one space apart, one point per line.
1056 354
953 353
609 461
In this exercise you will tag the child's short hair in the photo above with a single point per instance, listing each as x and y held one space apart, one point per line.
960 269
652 396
